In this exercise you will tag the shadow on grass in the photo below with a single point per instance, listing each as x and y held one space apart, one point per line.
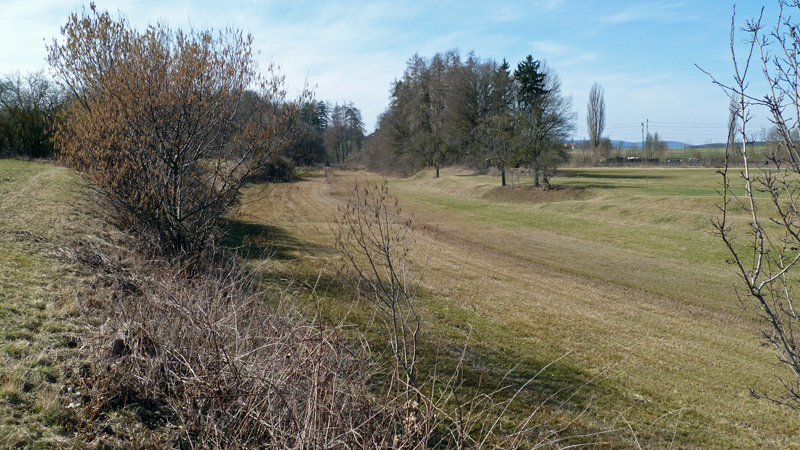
607 175
558 390
483 362
477 173
493 357
598 186
260 241
486 368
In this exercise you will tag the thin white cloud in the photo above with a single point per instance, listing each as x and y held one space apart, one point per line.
580 61
551 5
509 12
550 48
673 12
633 14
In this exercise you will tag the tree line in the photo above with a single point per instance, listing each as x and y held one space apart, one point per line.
450 109
29 105
170 125
327 133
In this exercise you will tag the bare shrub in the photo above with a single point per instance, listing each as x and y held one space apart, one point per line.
209 362
165 123
437 410
230 368
375 238
764 241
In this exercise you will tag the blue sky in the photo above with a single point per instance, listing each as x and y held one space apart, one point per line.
642 53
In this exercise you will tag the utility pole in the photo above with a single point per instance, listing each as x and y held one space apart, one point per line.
643 138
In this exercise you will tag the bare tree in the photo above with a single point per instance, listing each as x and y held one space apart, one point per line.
28 106
497 128
544 117
344 134
764 238
434 144
375 237
596 119
500 139
653 145
775 147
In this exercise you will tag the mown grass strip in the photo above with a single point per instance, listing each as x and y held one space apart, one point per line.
632 283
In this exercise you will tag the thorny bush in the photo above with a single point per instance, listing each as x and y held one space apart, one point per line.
228 366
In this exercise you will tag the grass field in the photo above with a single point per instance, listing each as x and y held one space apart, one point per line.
617 270
616 273
684 154
42 212
55 276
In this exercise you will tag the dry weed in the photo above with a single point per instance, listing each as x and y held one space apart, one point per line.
229 367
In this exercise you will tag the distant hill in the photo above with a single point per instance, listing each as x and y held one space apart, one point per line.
627 144
670 144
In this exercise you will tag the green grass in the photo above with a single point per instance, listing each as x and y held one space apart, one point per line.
620 272
43 212
645 182
667 234
680 153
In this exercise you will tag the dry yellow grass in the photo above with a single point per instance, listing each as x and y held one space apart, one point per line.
636 292
47 218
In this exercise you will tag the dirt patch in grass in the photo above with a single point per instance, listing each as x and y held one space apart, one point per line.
531 194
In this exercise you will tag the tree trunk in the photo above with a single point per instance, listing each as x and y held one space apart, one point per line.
503 177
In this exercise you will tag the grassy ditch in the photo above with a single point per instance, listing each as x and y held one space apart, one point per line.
104 347
624 279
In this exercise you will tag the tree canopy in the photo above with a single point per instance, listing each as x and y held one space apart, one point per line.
468 110
596 120
28 107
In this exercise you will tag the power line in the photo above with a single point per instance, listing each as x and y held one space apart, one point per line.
672 125
693 132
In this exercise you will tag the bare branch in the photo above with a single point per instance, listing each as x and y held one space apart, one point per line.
766 257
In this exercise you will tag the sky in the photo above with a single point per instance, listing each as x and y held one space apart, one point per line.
642 53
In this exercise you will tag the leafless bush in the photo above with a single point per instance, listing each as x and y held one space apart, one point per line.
233 369
765 244
208 360
165 123
374 238
437 410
